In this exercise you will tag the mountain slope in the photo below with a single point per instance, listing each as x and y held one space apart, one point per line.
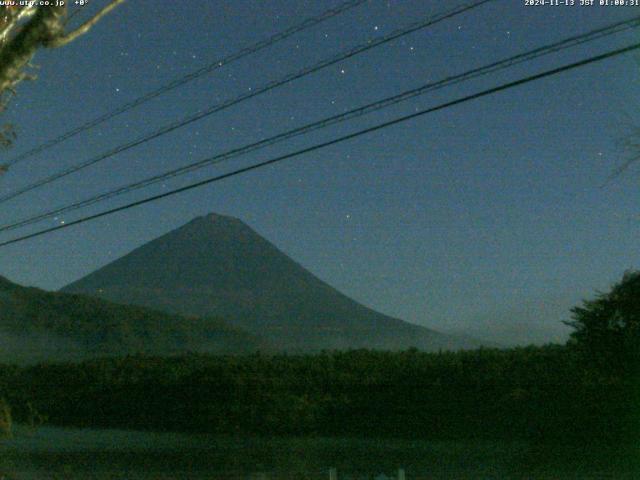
37 325
217 265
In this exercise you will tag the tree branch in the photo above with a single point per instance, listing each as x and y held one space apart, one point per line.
45 28
37 32
62 40
11 20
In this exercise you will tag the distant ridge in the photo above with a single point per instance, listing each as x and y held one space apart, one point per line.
218 266
46 326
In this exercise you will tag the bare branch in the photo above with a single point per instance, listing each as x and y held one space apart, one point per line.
630 144
622 168
62 40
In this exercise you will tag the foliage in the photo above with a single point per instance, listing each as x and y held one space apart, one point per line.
525 393
607 329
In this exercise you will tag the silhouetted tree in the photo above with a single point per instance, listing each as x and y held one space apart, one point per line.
607 329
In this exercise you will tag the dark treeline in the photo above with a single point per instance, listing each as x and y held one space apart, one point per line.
524 393
587 390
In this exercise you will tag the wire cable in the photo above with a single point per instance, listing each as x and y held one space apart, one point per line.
178 82
334 141
234 101
332 120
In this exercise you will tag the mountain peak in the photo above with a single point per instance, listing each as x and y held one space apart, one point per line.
216 265
216 217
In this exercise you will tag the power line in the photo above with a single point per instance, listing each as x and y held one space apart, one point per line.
234 101
332 120
178 82
335 141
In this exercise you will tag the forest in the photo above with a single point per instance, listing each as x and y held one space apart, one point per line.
527 393
586 389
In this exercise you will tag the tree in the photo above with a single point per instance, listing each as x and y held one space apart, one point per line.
23 30
607 329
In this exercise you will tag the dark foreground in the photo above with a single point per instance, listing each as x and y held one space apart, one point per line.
58 453
538 394
537 412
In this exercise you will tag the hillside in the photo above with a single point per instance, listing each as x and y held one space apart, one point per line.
218 266
37 325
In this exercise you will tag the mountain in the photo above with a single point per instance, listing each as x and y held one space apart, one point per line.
36 325
218 266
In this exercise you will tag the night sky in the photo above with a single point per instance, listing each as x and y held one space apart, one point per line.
488 218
